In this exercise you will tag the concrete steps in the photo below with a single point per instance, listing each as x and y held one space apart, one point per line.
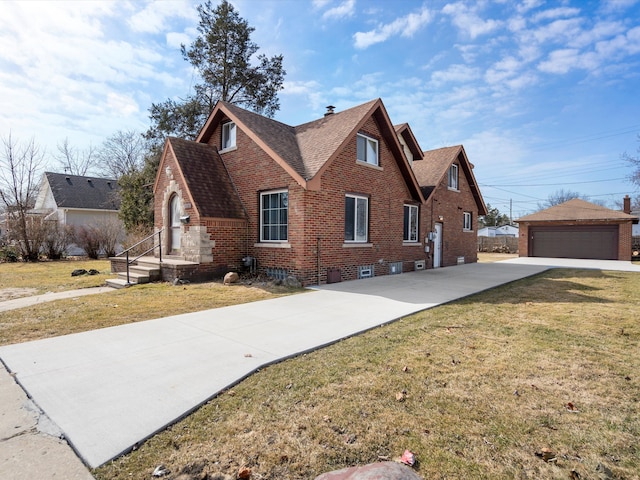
138 274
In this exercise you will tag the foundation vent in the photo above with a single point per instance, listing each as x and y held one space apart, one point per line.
419 265
395 268
277 273
365 271
460 260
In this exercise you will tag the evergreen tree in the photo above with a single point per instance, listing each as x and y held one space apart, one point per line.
222 54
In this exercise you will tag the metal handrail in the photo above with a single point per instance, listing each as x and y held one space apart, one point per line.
159 245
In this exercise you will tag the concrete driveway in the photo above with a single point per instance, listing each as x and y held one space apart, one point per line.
110 389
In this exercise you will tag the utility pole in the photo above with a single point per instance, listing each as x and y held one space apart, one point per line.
511 211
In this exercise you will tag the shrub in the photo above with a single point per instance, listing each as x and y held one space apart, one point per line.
57 239
8 253
136 235
110 232
87 237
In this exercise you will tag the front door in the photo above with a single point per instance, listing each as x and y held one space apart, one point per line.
174 224
437 246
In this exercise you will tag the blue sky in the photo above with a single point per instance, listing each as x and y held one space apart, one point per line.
543 95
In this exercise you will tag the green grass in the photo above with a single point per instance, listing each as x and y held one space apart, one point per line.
53 276
484 383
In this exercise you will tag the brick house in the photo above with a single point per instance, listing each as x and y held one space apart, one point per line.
577 229
452 205
329 200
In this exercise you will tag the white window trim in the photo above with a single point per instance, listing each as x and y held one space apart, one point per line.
374 142
225 128
470 222
355 227
417 224
457 178
264 242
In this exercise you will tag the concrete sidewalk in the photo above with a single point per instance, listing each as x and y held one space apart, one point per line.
22 302
110 389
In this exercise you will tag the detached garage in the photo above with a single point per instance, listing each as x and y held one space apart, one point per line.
577 229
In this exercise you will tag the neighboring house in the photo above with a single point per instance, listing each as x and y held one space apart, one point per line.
329 200
635 229
77 201
503 231
577 229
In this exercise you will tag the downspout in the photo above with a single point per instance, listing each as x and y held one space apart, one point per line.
318 260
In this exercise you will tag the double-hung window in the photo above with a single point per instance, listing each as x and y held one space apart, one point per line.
367 149
466 221
274 216
228 135
453 177
410 223
356 219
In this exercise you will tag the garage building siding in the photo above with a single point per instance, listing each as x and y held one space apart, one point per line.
574 241
576 229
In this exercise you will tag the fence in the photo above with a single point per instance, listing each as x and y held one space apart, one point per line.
498 244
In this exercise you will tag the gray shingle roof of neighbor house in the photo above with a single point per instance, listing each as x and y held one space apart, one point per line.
74 191
576 209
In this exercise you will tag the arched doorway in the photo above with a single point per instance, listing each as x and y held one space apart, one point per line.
174 224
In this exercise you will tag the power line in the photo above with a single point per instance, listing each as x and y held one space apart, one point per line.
552 184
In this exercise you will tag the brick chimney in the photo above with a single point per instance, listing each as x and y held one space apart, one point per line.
626 202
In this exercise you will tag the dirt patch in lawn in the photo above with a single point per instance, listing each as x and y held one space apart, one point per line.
11 293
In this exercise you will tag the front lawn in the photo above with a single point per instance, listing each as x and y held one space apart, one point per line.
35 278
476 389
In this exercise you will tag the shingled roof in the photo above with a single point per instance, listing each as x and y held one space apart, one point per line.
74 191
305 150
576 210
210 186
434 166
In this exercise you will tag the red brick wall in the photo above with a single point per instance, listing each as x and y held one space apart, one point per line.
324 215
320 214
447 207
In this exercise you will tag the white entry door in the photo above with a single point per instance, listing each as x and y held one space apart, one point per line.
174 222
437 246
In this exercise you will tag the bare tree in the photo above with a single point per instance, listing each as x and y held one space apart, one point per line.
634 177
122 154
74 161
560 196
20 171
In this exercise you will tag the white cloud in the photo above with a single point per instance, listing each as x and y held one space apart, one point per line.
405 26
320 3
561 61
122 105
455 73
617 5
468 21
556 13
344 10
505 69
156 16
175 39
527 5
